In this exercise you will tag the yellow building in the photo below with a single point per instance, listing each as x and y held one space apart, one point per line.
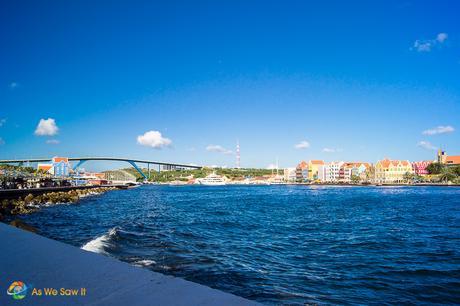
313 167
392 171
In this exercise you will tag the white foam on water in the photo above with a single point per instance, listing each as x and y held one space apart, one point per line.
99 244
145 263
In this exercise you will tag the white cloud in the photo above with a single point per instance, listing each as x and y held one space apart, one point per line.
439 130
302 145
425 45
218 149
441 37
46 127
2 122
153 139
426 145
271 167
52 141
2 142
331 150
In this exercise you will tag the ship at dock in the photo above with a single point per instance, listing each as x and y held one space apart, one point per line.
212 180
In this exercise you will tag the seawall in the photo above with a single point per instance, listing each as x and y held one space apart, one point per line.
8 194
41 263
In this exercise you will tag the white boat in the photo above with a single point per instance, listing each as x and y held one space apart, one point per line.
212 180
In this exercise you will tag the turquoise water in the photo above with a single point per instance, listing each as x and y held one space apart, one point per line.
280 244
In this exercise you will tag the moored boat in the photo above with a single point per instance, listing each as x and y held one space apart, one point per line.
212 180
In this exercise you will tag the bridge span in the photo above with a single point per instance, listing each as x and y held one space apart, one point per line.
82 160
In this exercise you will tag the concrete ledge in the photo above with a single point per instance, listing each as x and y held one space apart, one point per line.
44 263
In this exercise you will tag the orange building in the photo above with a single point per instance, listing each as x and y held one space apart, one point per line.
453 160
443 158
46 168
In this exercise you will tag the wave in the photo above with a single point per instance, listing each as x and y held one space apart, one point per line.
145 263
102 243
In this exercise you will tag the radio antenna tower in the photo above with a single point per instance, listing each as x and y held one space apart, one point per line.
237 154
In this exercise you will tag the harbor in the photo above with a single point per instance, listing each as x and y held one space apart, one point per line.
278 153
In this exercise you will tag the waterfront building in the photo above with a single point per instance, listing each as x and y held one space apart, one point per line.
361 170
420 167
442 155
322 173
59 167
332 171
445 159
46 168
290 175
453 160
329 172
392 171
313 167
345 172
349 170
302 172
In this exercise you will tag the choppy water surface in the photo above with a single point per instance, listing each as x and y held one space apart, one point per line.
280 244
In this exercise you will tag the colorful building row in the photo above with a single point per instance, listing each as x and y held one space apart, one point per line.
385 171
318 170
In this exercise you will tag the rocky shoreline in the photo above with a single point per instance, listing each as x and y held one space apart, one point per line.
31 203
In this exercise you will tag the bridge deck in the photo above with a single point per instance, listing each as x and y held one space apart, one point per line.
89 158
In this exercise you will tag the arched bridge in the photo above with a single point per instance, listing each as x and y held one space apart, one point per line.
82 160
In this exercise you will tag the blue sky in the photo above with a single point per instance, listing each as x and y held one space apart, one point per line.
332 80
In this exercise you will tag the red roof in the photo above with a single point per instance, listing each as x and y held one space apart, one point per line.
386 162
44 167
453 160
302 165
59 159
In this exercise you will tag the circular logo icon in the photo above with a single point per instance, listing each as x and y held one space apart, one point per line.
18 290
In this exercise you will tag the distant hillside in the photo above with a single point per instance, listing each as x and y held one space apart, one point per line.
184 175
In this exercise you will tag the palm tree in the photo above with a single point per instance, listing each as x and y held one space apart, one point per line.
435 168
408 177
446 175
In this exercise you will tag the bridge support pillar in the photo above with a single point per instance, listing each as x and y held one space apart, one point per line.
137 168
81 162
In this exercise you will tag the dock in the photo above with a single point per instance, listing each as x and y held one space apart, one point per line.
42 263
